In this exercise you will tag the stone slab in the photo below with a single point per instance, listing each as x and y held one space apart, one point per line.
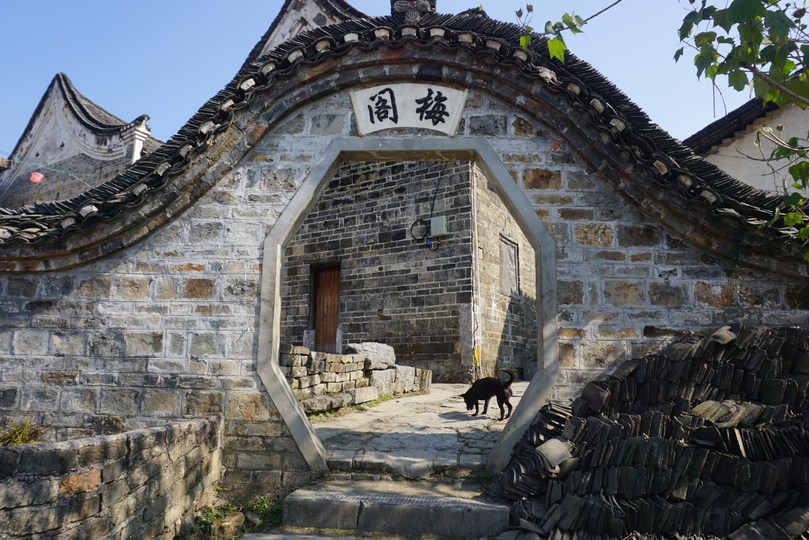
322 510
431 515
394 513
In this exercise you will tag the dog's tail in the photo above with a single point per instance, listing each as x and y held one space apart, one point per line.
511 375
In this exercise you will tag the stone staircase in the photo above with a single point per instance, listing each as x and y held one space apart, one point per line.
406 467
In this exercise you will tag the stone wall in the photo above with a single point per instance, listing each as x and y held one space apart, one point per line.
508 322
323 381
143 484
394 289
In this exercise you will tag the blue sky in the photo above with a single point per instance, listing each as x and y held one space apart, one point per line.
166 58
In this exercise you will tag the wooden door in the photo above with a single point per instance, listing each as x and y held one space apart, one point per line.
326 305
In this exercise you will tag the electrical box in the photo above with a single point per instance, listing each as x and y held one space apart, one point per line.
438 226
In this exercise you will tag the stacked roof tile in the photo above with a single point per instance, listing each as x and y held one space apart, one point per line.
706 439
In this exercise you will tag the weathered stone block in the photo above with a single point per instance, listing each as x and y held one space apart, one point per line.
160 402
30 342
603 355
26 521
567 355
254 407
623 293
47 461
166 288
39 398
714 295
8 397
363 395
106 345
120 401
198 288
541 179
28 493
79 399
80 482
207 345
796 296
133 288
144 344
668 295
197 404
67 344
383 380
374 355
638 235
405 379
597 234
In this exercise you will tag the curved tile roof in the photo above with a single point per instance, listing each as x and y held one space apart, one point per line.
695 183
90 115
339 9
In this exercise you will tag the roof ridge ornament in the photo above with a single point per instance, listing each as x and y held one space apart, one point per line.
413 9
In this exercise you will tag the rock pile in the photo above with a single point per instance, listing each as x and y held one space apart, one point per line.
323 381
706 439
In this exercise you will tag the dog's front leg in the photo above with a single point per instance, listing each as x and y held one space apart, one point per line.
476 409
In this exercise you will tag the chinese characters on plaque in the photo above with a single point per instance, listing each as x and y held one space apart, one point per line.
408 105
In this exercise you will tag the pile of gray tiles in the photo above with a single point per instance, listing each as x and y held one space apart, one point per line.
706 439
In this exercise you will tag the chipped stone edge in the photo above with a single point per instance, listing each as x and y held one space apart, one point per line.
368 149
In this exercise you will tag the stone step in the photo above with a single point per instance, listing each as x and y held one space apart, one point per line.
394 513
398 507
409 464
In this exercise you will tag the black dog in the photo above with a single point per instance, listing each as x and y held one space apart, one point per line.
486 388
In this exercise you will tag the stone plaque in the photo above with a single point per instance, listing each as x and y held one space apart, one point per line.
408 105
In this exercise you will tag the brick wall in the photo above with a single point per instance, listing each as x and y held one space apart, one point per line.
58 185
508 323
393 288
143 484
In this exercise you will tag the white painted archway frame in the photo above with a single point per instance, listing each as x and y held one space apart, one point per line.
367 149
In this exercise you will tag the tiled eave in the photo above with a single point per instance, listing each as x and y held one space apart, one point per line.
726 127
668 177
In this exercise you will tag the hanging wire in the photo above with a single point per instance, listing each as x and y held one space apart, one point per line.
51 168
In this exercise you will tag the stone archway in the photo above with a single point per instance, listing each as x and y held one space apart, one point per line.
339 151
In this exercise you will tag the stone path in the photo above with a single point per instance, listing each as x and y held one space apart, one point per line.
415 436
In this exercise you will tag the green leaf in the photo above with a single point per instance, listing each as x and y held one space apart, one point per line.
525 41
685 30
777 22
704 38
799 173
726 40
738 80
803 233
792 218
678 53
557 48
549 28
741 11
794 199
722 20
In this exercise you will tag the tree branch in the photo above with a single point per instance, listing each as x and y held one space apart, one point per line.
769 80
